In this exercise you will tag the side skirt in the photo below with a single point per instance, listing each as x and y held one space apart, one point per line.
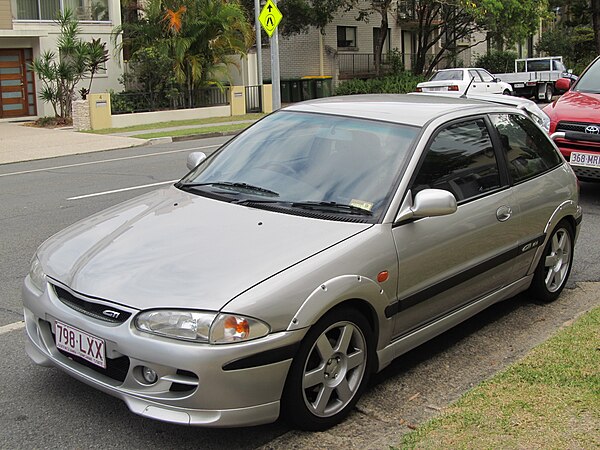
427 332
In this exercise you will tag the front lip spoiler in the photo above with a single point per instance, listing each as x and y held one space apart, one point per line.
259 414
262 359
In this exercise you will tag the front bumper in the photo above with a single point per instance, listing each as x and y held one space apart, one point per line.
197 383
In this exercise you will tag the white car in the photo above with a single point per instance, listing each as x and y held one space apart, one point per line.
457 80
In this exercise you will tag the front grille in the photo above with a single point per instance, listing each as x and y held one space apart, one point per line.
95 310
574 126
587 173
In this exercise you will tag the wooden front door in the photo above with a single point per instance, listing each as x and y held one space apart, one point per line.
13 84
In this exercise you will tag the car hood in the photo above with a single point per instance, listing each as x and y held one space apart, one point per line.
576 107
170 248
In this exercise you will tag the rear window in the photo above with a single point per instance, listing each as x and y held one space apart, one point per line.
447 75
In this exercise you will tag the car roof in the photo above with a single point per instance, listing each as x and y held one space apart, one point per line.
399 108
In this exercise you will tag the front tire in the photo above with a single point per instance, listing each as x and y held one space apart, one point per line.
330 371
554 267
506 92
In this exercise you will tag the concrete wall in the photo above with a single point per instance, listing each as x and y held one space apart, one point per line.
129 120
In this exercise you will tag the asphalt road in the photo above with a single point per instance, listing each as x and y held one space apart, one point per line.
43 408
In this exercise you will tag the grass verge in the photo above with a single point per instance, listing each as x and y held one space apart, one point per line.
178 123
549 400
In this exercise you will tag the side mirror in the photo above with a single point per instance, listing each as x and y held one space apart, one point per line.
570 71
194 159
427 203
563 84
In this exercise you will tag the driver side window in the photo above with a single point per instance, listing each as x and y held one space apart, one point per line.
460 159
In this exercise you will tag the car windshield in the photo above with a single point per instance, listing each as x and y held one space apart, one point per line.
306 160
446 75
589 82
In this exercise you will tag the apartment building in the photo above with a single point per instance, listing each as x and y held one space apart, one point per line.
27 30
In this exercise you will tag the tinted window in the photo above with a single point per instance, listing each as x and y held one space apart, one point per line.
528 150
590 80
460 159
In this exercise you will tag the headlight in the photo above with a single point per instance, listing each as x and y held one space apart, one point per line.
37 275
230 328
197 326
177 324
541 118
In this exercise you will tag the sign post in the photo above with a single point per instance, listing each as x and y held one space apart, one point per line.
269 18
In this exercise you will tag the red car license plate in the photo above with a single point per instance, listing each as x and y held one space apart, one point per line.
80 343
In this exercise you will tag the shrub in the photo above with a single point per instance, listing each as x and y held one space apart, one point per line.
400 83
497 61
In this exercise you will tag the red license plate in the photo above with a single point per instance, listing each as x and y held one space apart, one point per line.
79 343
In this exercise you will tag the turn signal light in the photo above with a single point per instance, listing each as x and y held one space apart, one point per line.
383 276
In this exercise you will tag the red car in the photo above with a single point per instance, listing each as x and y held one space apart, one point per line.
575 122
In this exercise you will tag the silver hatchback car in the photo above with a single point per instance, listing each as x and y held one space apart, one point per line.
304 255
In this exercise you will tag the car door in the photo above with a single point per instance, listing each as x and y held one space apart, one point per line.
530 158
489 82
448 261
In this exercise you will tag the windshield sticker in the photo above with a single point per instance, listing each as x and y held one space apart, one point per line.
368 206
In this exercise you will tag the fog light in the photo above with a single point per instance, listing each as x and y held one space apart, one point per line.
149 375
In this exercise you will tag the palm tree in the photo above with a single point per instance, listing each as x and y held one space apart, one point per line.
199 36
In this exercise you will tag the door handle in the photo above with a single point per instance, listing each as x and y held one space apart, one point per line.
503 213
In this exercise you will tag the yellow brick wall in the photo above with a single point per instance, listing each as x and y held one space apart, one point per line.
5 15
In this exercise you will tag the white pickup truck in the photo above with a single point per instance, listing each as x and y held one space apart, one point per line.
535 77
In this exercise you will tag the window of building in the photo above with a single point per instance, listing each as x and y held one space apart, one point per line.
346 37
460 159
85 10
528 151
386 44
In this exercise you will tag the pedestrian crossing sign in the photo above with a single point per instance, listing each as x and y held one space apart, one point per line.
269 17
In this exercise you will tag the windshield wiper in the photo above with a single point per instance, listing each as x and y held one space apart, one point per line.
233 186
332 207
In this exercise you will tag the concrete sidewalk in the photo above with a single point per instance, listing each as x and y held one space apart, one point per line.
19 142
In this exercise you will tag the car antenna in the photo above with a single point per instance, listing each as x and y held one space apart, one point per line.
467 89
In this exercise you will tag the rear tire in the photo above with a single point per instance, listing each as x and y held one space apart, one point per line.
548 94
330 370
554 267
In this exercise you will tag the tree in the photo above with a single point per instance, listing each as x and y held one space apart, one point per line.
198 36
76 59
440 24
300 15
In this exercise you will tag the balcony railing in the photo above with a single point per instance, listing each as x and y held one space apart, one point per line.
362 65
356 65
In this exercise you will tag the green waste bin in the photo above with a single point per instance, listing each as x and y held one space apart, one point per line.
323 87
295 90
286 91
308 88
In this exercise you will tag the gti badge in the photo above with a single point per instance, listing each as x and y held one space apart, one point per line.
111 313
592 129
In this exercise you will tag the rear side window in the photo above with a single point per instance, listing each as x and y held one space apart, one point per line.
527 149
460 159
